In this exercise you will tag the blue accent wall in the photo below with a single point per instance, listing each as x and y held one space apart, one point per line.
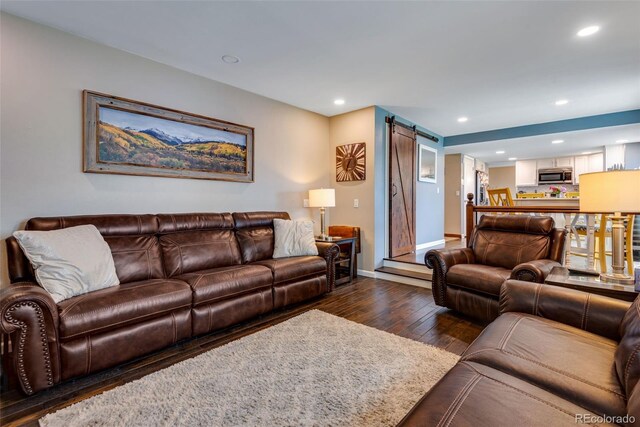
581 123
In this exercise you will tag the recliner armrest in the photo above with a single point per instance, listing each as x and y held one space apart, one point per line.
440 261
30 316
447 258
534 271
330 252
593 313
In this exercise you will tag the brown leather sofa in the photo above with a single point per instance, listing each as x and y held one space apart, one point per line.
181 275
519 247
554 357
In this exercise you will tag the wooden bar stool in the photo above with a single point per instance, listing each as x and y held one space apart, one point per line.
500 197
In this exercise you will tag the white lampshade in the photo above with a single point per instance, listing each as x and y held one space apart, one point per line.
322 198
613 191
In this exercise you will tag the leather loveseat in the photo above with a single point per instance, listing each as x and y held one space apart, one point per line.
519 247
181 275
554 357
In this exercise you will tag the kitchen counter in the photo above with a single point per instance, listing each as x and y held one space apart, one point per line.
548 199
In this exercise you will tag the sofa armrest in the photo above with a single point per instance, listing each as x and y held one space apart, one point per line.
590 312
440 261
330 252
534 271
30 316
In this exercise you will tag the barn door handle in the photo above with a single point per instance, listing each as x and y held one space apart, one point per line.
395 190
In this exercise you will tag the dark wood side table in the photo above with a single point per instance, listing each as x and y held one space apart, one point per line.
345 263
561 276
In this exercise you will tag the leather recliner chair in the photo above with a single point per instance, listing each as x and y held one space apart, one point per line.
501 247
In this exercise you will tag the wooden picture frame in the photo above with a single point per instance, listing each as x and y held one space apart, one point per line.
122 136
427 164
351 162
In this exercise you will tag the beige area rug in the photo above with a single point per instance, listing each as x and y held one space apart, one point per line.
315 369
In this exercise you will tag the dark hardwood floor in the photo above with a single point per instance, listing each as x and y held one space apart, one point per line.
404 310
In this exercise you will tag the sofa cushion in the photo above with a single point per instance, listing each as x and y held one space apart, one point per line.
255 234
69 261
185 252
294 268
628 352
132 239
506 250
114 307
226 282
472 394
136 257
478 278
508 240
574 364
293 238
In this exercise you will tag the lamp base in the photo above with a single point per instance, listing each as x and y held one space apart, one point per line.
621 279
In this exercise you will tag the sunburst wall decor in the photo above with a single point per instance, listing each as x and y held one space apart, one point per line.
351 162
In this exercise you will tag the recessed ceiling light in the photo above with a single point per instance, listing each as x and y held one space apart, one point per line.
588 31
500 152
462 119
513 158
339 102
562 102
587 152
622 141
557 141
230 59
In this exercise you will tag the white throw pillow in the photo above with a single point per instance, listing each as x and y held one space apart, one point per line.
293 238
70 261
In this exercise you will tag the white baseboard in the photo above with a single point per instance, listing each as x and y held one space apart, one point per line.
430 244
395 278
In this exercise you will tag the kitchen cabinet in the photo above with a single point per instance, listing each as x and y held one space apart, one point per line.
581 166
546 163
596 162
564 162
481 166
560 162
526 173
586 164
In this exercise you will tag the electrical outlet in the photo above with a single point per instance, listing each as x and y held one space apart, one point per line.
305 203
457 192
356 203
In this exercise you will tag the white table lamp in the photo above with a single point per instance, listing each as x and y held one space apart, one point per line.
322 198
618 192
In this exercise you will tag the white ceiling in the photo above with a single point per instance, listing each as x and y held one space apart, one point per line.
500 63
540 146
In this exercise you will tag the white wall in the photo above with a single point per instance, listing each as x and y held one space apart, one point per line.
43 74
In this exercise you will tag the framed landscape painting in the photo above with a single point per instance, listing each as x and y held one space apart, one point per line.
122 136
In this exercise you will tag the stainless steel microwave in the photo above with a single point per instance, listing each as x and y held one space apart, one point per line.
555 176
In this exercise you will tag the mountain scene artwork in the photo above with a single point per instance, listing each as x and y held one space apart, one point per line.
131 138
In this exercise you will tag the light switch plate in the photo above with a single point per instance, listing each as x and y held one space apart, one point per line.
305 203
